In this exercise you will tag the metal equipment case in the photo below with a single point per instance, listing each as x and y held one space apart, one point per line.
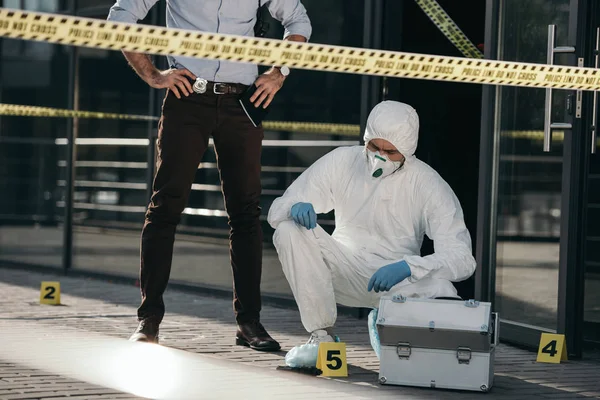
437 343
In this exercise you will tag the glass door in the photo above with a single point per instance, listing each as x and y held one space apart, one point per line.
591 201
528 170
592 260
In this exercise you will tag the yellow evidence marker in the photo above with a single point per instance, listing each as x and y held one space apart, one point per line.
332 359
553 349
50 293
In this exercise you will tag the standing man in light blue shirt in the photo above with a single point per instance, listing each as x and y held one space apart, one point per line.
202 101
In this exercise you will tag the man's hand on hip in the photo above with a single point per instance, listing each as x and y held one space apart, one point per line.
268 84
173 79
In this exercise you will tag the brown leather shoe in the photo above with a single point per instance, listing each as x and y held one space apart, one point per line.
147 331
253 334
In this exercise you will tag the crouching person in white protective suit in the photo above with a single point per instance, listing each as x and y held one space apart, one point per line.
385 200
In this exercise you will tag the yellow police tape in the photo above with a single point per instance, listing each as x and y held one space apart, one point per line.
287 126
313 127
442 20
34 111
558 136
95 33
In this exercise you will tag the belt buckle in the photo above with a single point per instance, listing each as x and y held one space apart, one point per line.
216 85
200 85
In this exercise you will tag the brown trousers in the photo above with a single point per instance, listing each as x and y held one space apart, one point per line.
184 130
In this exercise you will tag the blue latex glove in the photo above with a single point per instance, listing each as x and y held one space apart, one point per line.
388 276
304 214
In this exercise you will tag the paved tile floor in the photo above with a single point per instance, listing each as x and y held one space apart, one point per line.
527 277
52 352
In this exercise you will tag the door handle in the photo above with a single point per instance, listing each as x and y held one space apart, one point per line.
549 126
595 101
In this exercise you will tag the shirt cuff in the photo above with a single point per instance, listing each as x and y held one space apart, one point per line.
121 15
298 28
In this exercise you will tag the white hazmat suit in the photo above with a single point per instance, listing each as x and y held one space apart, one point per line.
378 221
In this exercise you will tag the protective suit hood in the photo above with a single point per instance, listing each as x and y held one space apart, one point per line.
396 122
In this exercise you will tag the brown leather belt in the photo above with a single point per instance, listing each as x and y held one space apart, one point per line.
224 88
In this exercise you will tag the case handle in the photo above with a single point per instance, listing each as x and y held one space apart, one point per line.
496 341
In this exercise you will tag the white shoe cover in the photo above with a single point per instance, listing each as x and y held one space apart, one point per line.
305 356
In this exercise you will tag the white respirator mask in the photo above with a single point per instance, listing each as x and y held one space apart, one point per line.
380 165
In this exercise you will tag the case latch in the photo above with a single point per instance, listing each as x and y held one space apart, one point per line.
403 350
399 299
431 326
471 303
463 354
484 330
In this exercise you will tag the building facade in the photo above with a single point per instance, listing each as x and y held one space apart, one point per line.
532 205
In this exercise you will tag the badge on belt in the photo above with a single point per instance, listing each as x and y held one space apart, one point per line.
200 85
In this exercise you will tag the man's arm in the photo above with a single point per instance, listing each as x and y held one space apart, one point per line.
131 11
293 17
314 186
172 79
453 259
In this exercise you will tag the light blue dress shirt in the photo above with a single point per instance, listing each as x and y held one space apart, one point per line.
236 17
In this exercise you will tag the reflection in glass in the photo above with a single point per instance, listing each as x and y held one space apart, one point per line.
32 73
529 180
111 180
591 315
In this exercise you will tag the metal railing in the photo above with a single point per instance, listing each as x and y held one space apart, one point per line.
83 187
